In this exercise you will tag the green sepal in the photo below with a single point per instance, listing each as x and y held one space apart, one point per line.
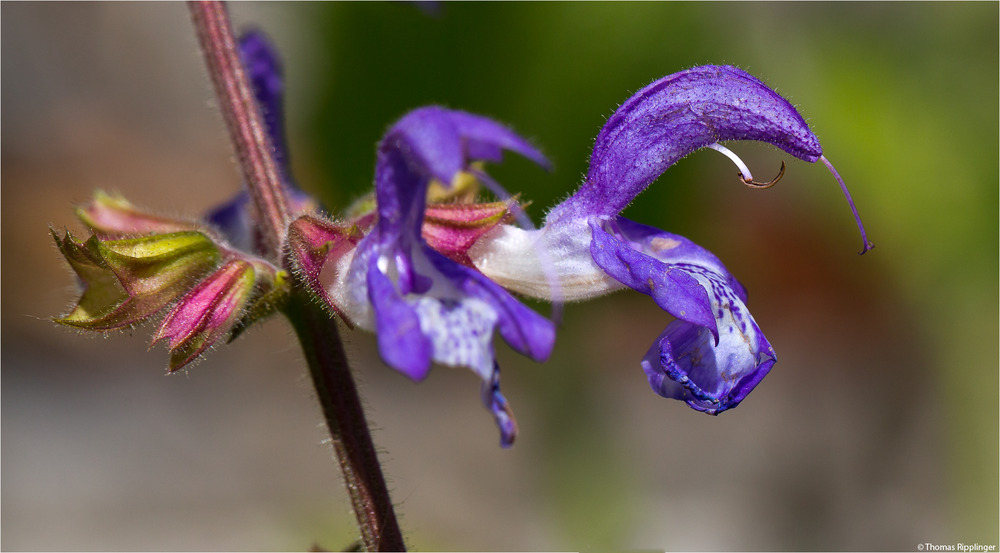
102 292
128 280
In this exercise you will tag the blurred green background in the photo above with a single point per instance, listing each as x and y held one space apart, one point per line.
876 430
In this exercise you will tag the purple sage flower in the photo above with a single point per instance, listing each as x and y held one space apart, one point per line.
399 264
425 306
714 353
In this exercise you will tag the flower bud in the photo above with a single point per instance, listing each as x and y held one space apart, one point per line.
114 215
206 312
128 280
314 246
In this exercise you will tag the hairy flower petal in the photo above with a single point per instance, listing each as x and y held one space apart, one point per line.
715 353
673 117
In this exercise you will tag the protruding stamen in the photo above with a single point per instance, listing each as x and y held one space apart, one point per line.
744 170
857 217
745 175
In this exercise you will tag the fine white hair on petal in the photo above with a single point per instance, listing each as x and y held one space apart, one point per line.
346 282
542 257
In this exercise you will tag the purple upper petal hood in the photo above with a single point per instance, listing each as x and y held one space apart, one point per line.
675 116
435 143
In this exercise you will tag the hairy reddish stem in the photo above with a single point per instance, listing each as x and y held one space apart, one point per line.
317 331
346 420
246 125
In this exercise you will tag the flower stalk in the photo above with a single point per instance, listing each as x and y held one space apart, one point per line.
316 330
243 118
352 442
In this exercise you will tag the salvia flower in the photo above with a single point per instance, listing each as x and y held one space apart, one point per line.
714 353
425 305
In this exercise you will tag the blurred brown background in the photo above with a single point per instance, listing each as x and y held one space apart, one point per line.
876 430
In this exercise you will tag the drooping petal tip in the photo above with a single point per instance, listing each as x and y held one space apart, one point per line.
685 364
714 353
498 406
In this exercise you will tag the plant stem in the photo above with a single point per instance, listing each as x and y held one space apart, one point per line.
317 331
331 375
246 125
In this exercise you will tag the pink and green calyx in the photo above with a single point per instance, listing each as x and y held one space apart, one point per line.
136 264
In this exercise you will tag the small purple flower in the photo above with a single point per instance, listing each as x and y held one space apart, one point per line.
424 306
714 354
